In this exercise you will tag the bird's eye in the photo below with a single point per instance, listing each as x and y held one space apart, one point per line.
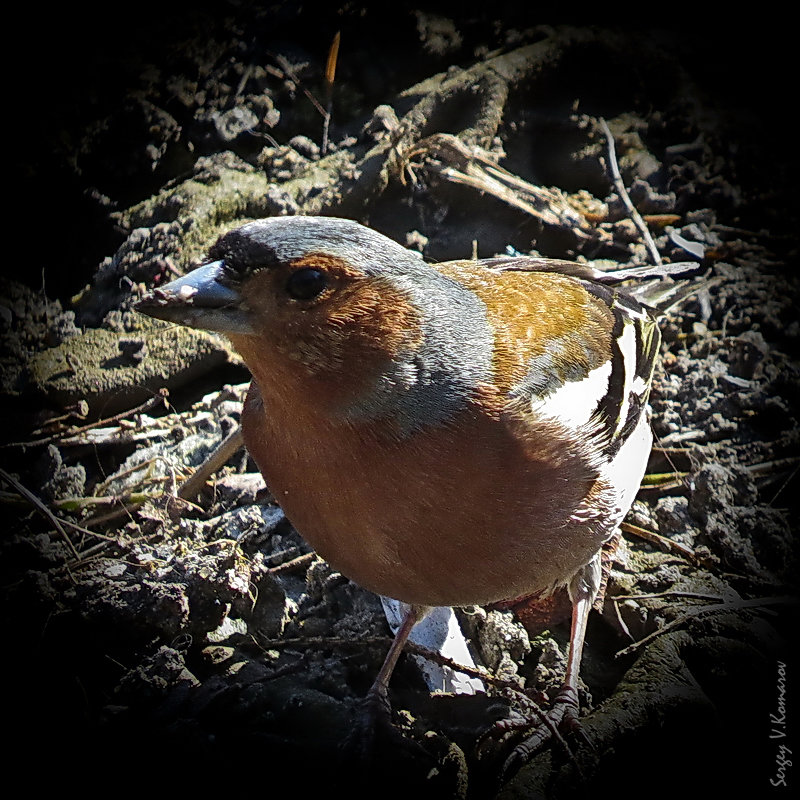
306 283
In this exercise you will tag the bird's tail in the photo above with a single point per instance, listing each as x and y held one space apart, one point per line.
656 286
664 296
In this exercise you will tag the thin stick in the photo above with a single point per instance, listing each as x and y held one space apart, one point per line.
662 541
287 68
228 446
771 467
75 526
657 479
296 563
75 412
783 485
670 593
79 503
621 621
40 507
675 451
330 74
125 508
148 405
734 605
623 193
101 487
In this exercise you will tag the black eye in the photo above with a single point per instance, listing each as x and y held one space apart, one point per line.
306 283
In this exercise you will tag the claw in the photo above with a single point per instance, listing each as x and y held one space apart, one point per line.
374 715
560 720
373 719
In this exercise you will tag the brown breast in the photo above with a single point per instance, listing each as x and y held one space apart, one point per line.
475 511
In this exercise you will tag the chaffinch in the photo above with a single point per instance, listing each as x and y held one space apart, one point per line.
444 434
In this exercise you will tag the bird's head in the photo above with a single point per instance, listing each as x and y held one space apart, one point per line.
327 306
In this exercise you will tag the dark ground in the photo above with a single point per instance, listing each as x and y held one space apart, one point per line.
171 653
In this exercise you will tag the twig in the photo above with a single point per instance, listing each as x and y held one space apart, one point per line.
772 467
784 485
323 642
81 529
330 74
125 509
450 158
671 451
171 476
662 541
230 444
734 605
124 474
96 550
79 410
148 405
621 621
674 438
90 554
295 563
623 193
40 507
658 479
287 68
662 487
78 503
661 481
669 593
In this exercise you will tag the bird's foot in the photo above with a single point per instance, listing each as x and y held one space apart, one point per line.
556 724
373 720
375 733
378 745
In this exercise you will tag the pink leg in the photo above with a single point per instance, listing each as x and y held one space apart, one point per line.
375 710
380 686
562 716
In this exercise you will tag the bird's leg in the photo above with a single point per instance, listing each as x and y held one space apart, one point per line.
378 695
562 717
567 698
374 713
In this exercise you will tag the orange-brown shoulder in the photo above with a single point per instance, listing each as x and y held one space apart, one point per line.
535 316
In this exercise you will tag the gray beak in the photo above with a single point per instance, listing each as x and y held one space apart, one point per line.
198 300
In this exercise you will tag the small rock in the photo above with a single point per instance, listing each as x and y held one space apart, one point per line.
305 146
218 653
60 481
229 627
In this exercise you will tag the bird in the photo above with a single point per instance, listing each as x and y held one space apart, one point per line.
445 434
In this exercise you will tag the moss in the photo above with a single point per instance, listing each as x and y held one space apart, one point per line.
91 366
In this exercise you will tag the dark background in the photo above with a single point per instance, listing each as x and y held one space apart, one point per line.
76 67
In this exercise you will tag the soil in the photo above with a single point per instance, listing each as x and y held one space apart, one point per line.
197 643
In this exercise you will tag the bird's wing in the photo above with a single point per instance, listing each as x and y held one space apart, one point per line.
576 349
610 277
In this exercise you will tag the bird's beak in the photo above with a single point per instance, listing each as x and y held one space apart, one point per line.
199 300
